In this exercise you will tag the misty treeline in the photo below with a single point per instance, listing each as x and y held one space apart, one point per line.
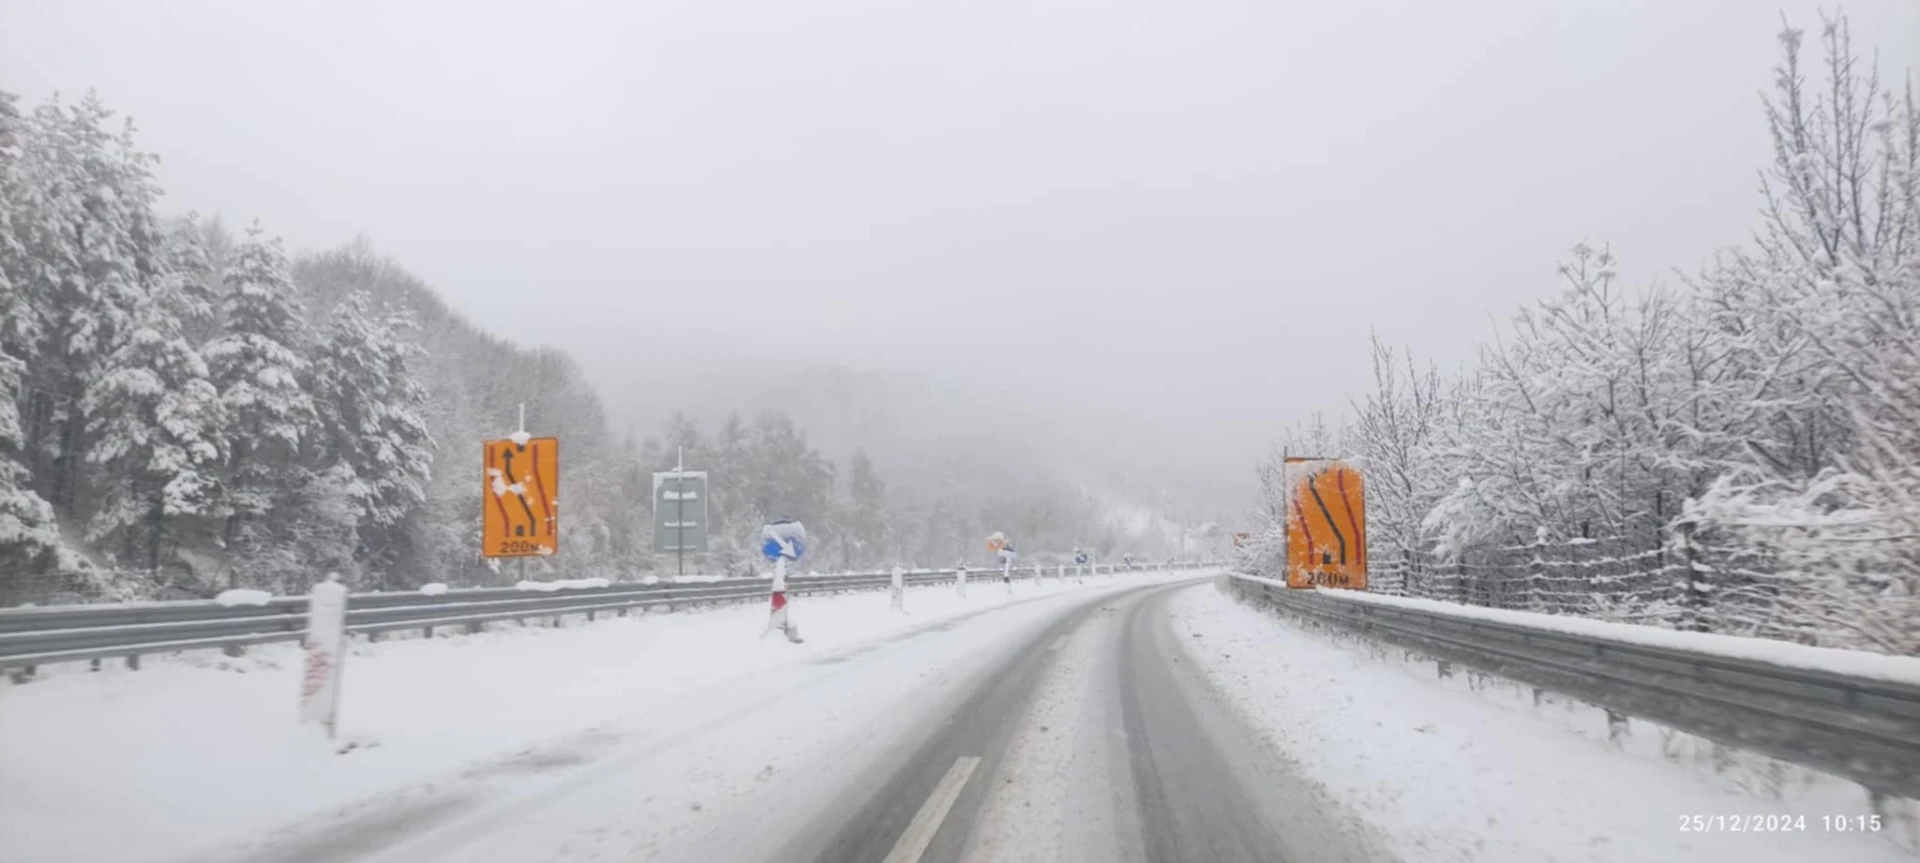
1741 455
765 469
184 409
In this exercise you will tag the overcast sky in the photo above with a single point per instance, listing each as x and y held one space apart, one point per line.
1197 203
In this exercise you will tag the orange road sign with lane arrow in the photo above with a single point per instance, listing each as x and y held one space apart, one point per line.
1326 524
520 497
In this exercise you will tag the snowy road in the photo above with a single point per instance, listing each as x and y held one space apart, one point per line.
1135 767
1065 727
1139 718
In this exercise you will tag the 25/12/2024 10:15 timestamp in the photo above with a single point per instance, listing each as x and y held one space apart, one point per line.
1778 823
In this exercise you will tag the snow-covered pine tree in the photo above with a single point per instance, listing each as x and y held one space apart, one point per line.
194 277
90 234
155 424
19 324
369 405
29 543
257 365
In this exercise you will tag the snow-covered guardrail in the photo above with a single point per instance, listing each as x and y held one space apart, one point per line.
31 637
1852 714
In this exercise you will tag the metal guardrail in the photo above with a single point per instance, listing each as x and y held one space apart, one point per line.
31 637
1863 728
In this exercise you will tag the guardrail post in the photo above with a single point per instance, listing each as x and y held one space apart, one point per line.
475 627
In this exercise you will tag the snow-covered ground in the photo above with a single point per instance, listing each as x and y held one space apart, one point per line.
1451 770
200 751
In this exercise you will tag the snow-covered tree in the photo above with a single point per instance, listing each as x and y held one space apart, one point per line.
1824 505
1743 456
92 245
29 542
1394 428
369 404
258 366
157 422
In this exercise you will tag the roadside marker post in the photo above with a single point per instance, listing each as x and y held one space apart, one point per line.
782 541
326 653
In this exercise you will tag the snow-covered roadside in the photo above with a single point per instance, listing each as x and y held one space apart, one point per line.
1896 669
201 750
1448 773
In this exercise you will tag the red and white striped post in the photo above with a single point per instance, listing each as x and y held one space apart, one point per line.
326 645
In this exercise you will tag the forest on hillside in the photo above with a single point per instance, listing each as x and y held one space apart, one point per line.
186 408
1741 455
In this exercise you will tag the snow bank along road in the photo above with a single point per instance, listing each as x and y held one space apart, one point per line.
1127 719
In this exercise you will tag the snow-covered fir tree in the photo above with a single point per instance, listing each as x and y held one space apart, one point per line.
258 365
29 542
157 425
374 439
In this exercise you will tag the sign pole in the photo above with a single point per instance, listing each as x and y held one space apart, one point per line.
523 430
680 509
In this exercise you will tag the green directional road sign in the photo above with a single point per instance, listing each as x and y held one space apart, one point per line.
680 512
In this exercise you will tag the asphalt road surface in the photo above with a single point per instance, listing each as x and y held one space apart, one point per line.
1069 728
1152 767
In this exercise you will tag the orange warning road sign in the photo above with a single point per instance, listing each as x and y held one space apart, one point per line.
1326 524
520 497
996 542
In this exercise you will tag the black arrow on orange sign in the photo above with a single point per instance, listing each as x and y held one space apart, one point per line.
1315 489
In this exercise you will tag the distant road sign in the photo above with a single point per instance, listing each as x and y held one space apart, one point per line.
1326 524
520 498
784 539
996 542
680 512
